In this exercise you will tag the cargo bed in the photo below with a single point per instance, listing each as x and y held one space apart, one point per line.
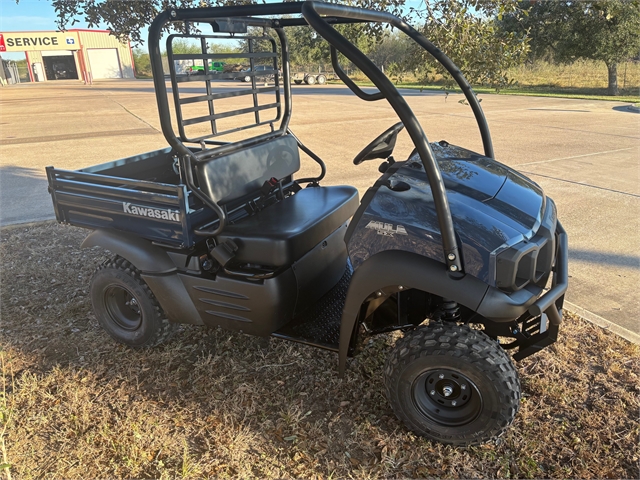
142 194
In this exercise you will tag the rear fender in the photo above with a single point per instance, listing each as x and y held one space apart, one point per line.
145 256
157 268
390 271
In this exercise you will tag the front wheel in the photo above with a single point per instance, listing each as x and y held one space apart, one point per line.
452 384
125 306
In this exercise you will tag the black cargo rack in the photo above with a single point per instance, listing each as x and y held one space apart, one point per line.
211 116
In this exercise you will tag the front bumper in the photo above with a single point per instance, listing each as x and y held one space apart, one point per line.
538 318
550 303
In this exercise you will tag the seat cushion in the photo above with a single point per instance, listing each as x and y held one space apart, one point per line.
282 233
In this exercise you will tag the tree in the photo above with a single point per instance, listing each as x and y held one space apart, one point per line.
468 32
126 19
182 46
464 29
603 30
142 63
393 49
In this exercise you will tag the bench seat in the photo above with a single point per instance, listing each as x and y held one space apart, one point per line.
282 233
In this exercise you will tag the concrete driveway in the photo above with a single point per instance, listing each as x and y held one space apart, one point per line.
583 153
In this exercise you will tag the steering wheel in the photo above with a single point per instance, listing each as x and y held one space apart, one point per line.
382 146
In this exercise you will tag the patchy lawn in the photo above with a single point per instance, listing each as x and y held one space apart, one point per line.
211 403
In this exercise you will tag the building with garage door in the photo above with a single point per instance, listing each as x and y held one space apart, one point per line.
85 55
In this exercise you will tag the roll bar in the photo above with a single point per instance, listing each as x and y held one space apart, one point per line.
321 16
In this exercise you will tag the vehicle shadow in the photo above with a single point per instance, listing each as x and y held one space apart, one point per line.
627 108
618 260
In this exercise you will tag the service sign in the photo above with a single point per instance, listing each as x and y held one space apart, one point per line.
29 41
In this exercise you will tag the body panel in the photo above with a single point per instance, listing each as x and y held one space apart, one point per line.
490 204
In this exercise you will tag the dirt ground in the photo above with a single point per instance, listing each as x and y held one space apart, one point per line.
215 404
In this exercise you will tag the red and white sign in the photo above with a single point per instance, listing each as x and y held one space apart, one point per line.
38 41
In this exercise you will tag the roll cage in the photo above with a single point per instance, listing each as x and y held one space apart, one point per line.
234 20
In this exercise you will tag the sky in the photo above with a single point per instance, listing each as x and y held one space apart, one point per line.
30 15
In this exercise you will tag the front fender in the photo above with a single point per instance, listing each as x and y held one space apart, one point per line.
387 271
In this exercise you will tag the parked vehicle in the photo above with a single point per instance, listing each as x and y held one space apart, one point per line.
263 73
448 246
214 67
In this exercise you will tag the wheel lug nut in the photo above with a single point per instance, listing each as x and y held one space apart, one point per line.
432 392
454 403
441 376
463 387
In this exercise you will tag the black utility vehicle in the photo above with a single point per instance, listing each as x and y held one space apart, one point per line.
449 246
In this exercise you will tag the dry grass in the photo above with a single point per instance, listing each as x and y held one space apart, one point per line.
579 74
212 403
582 79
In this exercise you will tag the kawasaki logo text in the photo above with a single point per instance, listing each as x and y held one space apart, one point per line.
173 215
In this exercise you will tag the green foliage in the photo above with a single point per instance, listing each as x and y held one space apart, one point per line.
142 63
604 30
308 48
126 19
392 50
222 47
181 46
465 29
468 32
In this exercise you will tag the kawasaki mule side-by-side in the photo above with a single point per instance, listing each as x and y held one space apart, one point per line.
463 254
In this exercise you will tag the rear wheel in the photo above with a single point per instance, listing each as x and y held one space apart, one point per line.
298 82
321 79
125 306
310 80
452 384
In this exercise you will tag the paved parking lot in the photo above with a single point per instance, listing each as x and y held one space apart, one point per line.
585 154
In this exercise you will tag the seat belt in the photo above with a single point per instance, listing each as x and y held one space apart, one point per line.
274 185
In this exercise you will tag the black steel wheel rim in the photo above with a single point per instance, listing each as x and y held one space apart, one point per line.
123 307
447 397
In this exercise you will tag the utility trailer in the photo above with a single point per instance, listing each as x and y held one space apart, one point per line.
311 78
461 253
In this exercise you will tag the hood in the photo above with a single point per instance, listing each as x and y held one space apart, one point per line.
487 186
491 206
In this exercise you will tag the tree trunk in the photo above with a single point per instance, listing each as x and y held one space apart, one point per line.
612 89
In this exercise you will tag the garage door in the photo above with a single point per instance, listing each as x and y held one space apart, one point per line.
104 63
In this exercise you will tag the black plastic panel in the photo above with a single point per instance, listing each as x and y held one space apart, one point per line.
319 325
320 269
253 307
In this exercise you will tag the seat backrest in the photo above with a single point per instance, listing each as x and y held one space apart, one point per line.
239 173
